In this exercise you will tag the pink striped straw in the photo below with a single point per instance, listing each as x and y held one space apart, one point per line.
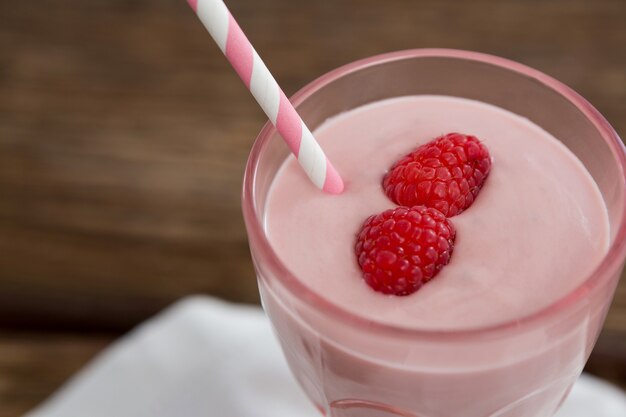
255 75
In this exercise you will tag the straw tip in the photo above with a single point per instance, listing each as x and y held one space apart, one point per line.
333 183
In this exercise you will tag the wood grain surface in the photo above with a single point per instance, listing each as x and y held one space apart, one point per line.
124 134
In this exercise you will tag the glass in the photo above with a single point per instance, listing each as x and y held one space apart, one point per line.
353 367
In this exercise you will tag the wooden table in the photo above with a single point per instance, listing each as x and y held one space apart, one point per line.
124 133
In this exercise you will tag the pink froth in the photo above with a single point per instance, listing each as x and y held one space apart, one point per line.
535 232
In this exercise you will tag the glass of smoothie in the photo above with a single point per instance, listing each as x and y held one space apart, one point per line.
506 327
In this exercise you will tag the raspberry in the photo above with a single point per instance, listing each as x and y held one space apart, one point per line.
400 249
446 173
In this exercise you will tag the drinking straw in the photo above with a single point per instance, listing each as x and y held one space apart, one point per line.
239 51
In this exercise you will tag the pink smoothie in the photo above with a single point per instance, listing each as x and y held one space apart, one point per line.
537 229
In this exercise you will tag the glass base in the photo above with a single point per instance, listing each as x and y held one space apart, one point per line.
590 396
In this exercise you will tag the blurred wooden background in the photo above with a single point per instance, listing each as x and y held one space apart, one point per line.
124 133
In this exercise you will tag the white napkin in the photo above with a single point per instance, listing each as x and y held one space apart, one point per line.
207 358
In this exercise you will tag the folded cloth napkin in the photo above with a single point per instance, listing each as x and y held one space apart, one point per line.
204 357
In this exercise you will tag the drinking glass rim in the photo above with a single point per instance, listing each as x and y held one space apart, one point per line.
256 233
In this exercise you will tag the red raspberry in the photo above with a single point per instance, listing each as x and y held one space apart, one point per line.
446 173
400 249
